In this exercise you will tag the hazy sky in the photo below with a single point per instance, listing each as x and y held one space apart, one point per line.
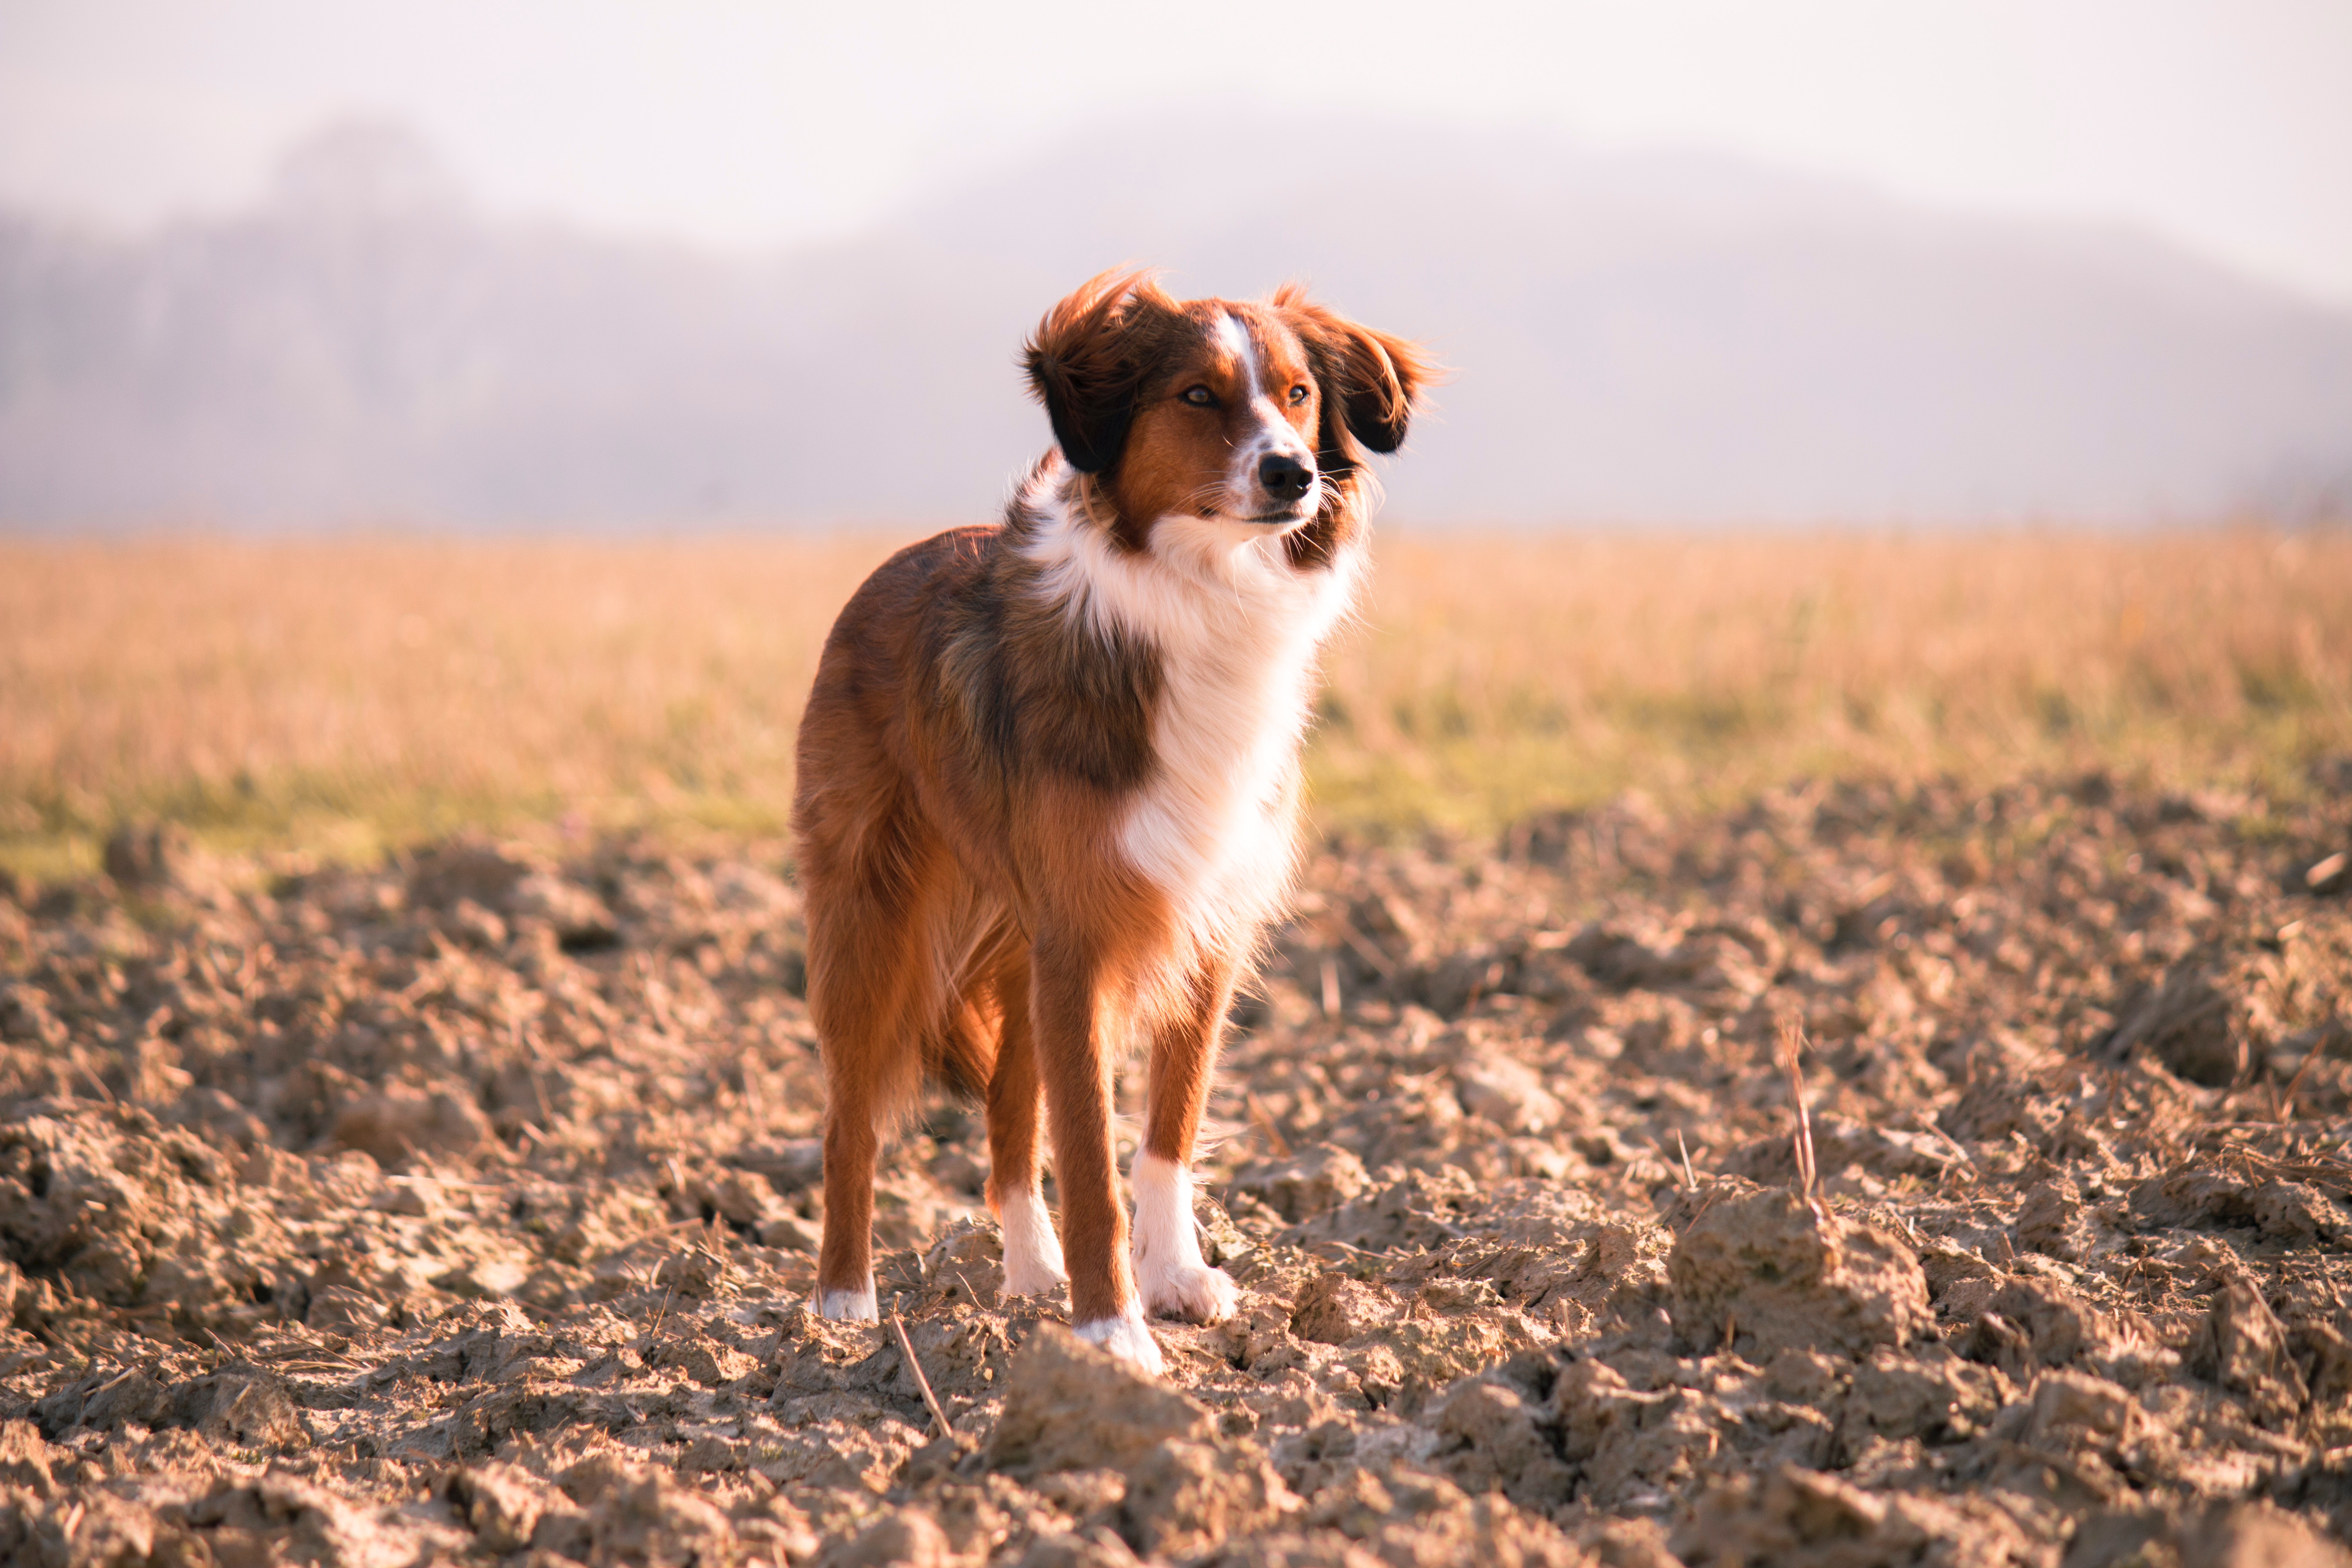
2227 125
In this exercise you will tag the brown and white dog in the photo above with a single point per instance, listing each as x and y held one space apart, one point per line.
1048 775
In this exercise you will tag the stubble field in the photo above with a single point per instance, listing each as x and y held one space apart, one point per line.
1826 1050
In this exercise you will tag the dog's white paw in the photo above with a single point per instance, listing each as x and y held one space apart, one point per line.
1192 1292
1174 1279
1033 1253
848 1306
1126 1336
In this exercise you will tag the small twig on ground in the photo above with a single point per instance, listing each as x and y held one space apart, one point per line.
1367 949
1331 998
655 1333
2286 1101
662 1229
1792 1045
915 1365
1263 1120
1927 1125
409 1179
97 1082
1690 1176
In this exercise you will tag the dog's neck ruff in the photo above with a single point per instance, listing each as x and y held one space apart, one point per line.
1237 629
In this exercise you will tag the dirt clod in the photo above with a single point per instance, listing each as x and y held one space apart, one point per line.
1070 1406
1769 1270
2242 1346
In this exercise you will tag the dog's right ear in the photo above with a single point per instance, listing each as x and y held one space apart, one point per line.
1085 363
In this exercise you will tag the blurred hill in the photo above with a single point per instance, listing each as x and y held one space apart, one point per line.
1636 337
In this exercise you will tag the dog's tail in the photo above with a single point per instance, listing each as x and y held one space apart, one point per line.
960 1055
959 1051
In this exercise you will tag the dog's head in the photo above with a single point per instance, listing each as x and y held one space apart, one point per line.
1254 415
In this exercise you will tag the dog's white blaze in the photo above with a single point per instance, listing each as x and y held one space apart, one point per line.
1237 629
1170 1274
849 1305
1234 339
1033 1253
1126 1336
1274 433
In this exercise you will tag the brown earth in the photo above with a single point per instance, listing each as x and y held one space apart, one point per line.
463 1209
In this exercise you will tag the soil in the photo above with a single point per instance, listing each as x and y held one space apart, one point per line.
464 1209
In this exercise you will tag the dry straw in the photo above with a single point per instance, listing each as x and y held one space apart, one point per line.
914 1366
1791 1054
351 694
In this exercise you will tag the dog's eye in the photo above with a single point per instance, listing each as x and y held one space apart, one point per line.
1201 397
1299 394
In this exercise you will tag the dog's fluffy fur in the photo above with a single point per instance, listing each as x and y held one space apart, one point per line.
1048 775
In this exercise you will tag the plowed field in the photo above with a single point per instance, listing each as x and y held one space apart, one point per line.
1849 1177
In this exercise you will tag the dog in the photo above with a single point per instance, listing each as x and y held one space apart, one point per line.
1048 775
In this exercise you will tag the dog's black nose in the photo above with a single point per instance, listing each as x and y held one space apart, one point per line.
1284 477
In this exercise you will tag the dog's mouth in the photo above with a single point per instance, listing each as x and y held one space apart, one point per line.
1283 519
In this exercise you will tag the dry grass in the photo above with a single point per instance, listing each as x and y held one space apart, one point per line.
345 695
1505 674
340 696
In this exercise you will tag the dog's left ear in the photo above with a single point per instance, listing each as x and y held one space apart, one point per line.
1372 380
1086 362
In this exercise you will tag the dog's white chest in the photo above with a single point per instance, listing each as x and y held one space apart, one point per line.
1213 828
1236 630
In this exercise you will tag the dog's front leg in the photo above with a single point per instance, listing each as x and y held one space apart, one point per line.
1173 1278
1067 974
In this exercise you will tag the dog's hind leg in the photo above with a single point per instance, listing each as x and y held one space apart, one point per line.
1170 1271
1033 1253
874 991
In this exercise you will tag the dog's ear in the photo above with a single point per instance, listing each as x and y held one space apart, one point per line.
1372 380
1088 359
